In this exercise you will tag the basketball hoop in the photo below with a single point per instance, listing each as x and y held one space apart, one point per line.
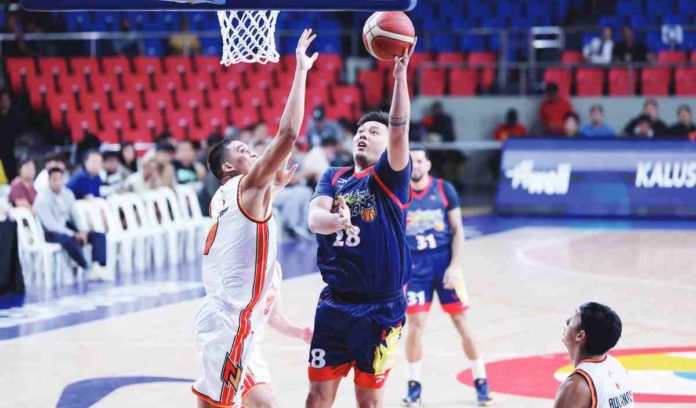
248 36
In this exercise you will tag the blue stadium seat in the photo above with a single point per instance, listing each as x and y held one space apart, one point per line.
211 46
653 41
629 8
470 42
614 22
659 7
153 47
675 20
328 45
76 21
443 43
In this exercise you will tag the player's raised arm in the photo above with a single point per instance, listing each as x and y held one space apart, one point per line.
400 113
258 180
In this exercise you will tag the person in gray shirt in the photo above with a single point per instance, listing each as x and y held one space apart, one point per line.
56 210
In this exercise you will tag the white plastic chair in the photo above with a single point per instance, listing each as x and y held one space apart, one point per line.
191 212
160 212
141 240
37 256
147 226
116 236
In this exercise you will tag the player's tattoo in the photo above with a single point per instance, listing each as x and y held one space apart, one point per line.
398 121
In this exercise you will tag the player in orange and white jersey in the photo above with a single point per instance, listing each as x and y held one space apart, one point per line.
599 380
240 250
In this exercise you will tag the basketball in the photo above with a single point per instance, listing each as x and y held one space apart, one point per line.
388 34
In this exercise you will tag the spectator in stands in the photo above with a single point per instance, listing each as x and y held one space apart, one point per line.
22 192
259 133
164 156
129 159
685 126
643 128
56 210
600 49
553 110
52 160
596 127
129 47
147 178
629 49
187 169
18 47
113 174
510 128
12 125
184 43
321 128
571 125
439 122
319 159
86 182
652 110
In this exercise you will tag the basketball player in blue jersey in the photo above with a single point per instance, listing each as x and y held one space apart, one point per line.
435 235
358 214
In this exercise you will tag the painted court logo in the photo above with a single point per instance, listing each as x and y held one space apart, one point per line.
659 375
548 182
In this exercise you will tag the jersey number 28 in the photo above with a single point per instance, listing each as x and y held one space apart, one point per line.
350 240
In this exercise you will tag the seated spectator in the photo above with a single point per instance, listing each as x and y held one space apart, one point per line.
164 156
685 127
553 110
85 183
571 125
652 111
511 127
319 159
629 49
113 175
643 128
52 160
596 127
259 133
56 210
439 122
186 168
129 158
600 49
184 43
22 192
149 177
321 128
129 47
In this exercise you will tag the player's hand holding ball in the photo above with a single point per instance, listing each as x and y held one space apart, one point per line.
304 62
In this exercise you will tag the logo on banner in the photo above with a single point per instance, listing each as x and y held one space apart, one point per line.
548 182
666 175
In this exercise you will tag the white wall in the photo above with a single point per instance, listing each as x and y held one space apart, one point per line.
476 117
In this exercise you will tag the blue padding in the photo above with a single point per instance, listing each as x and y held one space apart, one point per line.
470 42
629 8
153 47
211 46
653 41
443 43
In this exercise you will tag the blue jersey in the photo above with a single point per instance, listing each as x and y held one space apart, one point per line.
427 226
376 262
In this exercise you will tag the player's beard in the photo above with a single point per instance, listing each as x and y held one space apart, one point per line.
416 178
361 160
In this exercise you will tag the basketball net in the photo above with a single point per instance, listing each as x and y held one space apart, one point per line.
248 36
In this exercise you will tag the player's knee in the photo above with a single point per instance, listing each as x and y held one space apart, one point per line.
370 400
416 322
261 401
318 399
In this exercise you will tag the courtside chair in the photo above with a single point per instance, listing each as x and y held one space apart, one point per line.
155 234
122 239
188 230
191 211
41 260
140 241
159 213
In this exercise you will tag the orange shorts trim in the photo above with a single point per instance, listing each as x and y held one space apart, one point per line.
251 387
424 308
329 373
454 308
210 400
373 381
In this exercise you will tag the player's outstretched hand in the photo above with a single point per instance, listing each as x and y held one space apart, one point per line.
303 61
401 63
344 216
284 174
453 275
307 334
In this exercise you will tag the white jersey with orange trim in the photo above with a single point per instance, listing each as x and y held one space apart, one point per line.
257 370
608 381
238 264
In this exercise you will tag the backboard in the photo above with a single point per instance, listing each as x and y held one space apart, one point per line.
328 5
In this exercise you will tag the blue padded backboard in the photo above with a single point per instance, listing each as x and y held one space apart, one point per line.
328 5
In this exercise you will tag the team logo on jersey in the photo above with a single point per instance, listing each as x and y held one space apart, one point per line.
420 221
362 203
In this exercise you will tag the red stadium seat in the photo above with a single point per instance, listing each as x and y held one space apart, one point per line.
58 104
332 63
671 57
432 81
255 97
685 81
49 66
71 84
416 59
372 84
462 81
316 96
81 122
346 95
655 81
143 65
693 56
261 79
174 64
206 64
571 57
17 67
589 81
39 86
80 65
562 78
342 111
486 60
243 117
450 57
112 65
622 81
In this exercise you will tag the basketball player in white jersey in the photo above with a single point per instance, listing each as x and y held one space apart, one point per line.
599 380
256 389
240 250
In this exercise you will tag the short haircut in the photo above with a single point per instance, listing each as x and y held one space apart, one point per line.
572 115
683 107
421 149
644 118
88 153
54 157
24 161
602 327
217 156
54 170
596 107
650 101
375 116
329 141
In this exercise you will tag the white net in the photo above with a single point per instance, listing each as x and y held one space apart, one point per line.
248 36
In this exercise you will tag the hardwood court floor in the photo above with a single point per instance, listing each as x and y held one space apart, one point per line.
523 284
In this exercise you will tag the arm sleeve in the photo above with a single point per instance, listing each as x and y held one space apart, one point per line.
396 184
42 206
17 193
324 186
76 185
451 195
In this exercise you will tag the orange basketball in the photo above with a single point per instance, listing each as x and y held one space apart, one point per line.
387 34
